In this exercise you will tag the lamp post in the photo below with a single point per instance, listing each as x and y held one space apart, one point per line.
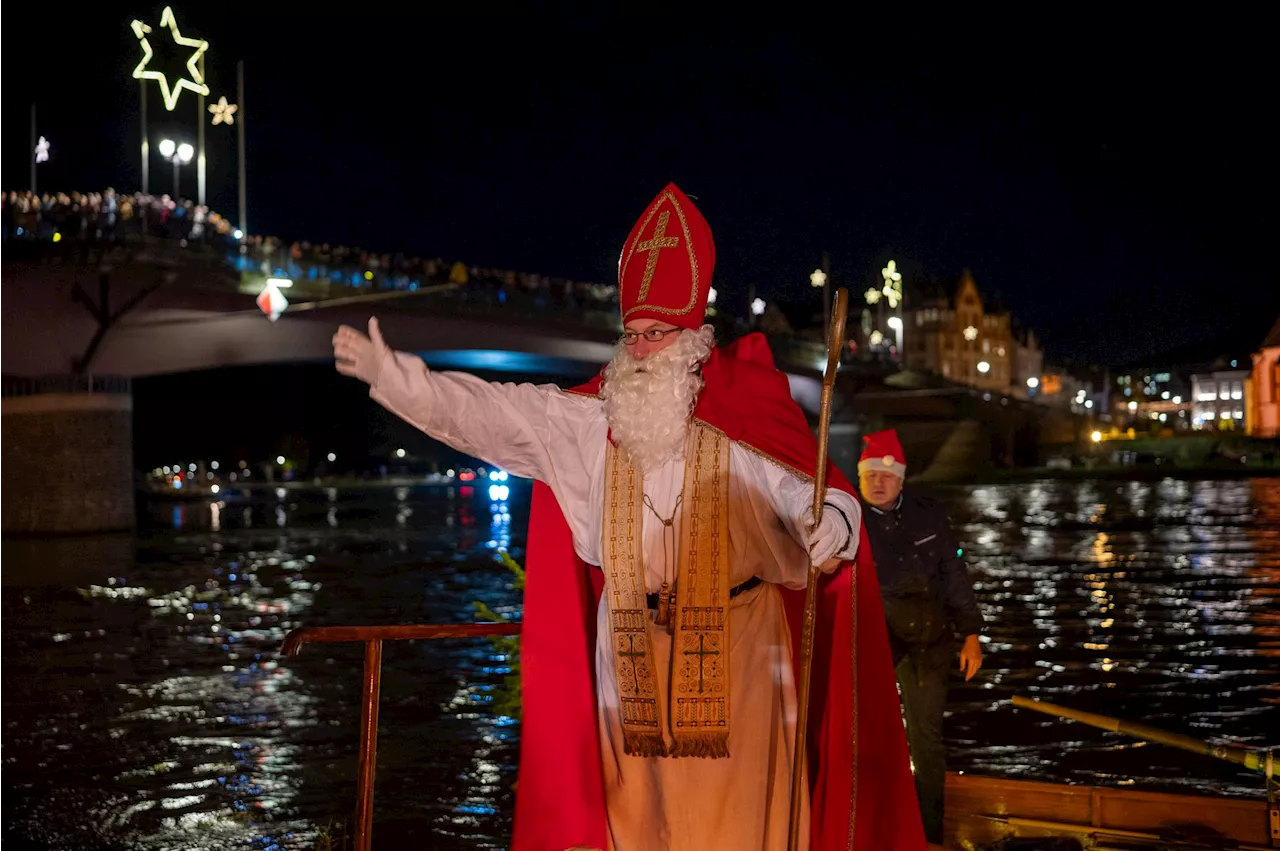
179 155
895 322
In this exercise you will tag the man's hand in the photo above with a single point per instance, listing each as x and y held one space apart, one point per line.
970 657
358 355
831 536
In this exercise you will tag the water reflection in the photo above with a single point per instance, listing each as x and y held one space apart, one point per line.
144 692
1147 601
146 706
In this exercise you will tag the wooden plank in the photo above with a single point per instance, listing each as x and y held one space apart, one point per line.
971 798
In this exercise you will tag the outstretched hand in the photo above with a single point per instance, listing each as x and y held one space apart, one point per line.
360 355
970 657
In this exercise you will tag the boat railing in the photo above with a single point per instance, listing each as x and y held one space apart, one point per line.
372 637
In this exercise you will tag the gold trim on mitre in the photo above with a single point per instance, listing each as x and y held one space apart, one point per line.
656 250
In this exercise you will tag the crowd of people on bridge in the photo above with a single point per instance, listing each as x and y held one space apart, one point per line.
108 215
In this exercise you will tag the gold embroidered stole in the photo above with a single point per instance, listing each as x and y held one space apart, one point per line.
699 687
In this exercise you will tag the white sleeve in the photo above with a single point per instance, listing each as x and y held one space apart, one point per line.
508 425
792 499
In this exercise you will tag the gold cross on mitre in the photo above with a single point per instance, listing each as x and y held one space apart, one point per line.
659 241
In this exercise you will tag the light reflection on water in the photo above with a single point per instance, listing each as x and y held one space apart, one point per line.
145 704
1152 602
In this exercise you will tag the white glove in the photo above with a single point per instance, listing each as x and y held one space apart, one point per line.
831 537
360 356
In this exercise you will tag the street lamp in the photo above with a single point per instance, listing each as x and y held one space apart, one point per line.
895 322
179 155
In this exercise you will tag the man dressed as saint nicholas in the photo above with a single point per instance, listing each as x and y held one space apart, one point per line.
670 541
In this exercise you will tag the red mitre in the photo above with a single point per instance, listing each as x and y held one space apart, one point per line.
883 452
664 272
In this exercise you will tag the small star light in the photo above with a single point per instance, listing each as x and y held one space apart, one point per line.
223 112
818 279
971 333
199 46
757 306
42 150
873 296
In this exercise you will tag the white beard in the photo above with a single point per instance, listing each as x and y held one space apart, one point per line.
649 402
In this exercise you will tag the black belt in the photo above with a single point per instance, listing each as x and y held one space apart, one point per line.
652 599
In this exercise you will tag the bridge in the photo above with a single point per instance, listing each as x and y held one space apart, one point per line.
160 288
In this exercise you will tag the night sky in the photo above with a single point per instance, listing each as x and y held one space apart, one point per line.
1111 179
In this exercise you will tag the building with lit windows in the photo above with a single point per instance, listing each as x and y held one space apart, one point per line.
961 338
1217 400
1262 393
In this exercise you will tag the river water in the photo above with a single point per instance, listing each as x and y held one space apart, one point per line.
146 706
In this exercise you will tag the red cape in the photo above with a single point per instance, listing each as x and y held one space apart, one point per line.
860 776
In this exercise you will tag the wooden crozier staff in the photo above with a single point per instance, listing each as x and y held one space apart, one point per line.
799 769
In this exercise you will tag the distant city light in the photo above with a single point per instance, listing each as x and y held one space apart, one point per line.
498 476
1088 403
876 338
332 457
213 464
1177 400
1096 436
399 453
280 460
1133 406
279 282
215 488
499 492
895 323
984 367
238 234
1033 382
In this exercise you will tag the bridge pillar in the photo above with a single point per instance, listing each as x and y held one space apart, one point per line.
67 455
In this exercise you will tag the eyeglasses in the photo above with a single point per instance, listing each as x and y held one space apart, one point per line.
653 335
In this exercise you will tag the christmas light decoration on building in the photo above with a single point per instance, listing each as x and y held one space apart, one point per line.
892 283
199 46
42 150
223 112
971 333
818 279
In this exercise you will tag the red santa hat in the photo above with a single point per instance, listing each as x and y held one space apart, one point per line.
665 269
883 452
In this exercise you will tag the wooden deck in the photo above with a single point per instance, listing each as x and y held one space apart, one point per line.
1104 817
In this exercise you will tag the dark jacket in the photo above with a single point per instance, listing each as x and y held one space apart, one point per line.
928 596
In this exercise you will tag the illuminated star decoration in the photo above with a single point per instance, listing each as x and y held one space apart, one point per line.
892 283
873 296
195 84
223 112
971 333
42 150
818 279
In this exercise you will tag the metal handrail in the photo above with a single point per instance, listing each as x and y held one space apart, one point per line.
373 636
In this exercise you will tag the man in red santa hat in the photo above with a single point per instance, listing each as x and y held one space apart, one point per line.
670 539
929 604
